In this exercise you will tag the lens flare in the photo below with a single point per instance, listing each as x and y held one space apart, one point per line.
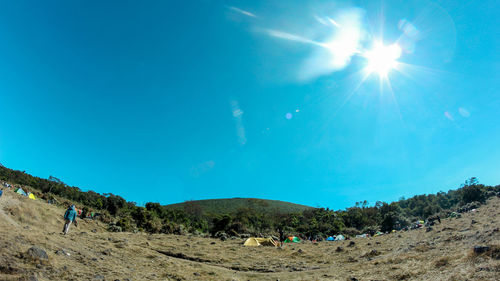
382 59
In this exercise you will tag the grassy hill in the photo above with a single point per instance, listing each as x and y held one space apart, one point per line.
231 205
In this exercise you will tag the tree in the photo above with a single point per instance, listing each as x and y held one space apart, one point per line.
471 191
155 208
114 203
389 221
56 180
221 223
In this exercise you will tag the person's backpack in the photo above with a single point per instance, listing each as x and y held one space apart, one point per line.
66 215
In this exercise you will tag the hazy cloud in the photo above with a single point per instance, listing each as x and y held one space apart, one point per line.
243 12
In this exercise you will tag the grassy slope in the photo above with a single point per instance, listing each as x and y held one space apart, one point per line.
223 206
445 253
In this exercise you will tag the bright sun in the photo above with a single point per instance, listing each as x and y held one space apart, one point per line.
382 59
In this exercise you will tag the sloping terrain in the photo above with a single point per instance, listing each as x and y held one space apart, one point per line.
89 252
231 205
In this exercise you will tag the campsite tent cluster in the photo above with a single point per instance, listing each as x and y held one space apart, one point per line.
19 191
471 207
255 241
22 192
339 237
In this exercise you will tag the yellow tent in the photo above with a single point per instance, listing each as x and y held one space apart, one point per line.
31 196
254 242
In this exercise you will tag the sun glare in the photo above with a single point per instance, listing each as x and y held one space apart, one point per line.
382 59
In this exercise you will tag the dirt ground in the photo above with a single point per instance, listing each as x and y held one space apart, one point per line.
89 252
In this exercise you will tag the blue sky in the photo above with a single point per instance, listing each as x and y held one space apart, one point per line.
169 101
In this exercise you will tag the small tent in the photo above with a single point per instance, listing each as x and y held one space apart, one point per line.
254 242
20 191
339 237
331 238
292 239
31 196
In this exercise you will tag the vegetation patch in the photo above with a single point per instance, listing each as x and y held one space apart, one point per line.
226 218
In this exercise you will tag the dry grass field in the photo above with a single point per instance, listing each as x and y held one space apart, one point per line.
89 252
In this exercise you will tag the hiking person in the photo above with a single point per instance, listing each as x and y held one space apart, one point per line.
69 217
1 192
282 236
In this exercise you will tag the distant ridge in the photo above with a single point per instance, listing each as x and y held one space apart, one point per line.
231 205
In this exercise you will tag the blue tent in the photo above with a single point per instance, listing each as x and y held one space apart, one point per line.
330 238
